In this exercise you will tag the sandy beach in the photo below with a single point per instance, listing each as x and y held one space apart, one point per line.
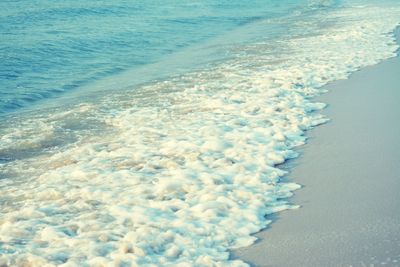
350 172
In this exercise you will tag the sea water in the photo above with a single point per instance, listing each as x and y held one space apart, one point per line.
151 133
50 47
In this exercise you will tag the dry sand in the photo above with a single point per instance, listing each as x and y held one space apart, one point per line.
350 171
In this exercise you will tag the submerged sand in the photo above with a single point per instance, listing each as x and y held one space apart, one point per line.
350 171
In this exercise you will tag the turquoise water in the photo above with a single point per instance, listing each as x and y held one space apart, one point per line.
52 47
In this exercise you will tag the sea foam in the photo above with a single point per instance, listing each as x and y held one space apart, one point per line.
183 170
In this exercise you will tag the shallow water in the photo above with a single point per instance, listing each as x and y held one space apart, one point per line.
173 160
51 47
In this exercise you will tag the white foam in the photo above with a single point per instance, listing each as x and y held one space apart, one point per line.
184 175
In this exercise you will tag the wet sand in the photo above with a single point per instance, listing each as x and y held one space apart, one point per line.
350 170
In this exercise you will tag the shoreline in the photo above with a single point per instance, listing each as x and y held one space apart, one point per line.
176 171
350 173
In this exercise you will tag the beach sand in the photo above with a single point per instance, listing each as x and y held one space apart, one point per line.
350 171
